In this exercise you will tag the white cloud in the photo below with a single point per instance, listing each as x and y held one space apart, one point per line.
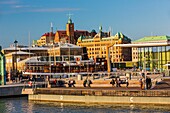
21 6
54 9
24 9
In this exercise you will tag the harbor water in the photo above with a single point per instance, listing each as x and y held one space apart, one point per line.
22 105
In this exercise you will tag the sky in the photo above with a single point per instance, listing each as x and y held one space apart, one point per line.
134 18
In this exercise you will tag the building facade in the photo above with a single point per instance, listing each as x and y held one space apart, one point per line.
152 53
45 39
70 35
18 58
14 60
97 45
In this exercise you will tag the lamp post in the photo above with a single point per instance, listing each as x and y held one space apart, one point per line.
145 74
15 42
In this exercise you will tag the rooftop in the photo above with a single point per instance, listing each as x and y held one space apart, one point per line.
153 39
20 53
46 47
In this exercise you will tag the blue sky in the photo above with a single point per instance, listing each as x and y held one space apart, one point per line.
134 18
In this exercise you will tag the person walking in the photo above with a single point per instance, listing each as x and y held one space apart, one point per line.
84 82
117 82
73 82
127 82
141 83
89 82
112 82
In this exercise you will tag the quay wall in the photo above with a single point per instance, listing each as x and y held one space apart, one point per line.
97 95
10 91
100 99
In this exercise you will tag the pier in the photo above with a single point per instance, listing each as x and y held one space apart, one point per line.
101 91
102 95
160 94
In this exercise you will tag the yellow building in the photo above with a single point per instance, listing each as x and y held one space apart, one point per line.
97 45
16 57
45 39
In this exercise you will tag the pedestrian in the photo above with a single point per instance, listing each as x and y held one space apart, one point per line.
127 82
163 73
141 83
84 82
117 83
89 82
112 82
69 83
149 83
55 81
73 82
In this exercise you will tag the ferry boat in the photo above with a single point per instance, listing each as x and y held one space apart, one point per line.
37 66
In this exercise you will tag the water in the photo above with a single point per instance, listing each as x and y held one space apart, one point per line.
22 105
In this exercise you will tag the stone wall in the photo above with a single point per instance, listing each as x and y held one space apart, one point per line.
100 99
11 91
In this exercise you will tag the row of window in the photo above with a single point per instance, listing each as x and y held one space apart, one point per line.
135 57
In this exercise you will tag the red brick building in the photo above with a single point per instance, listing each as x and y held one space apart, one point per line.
70 35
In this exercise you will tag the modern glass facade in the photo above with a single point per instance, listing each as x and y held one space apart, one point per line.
153 57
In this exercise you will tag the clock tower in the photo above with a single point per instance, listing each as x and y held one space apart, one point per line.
70 31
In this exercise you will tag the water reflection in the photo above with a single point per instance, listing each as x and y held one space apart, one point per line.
22 105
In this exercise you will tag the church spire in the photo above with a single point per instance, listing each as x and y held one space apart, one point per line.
69 18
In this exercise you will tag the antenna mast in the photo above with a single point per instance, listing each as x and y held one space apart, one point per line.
51 28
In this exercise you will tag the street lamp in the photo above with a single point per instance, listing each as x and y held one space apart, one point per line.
15 42
145 74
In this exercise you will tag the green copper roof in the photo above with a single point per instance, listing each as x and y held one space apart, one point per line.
81 37
153 38
69 21
93 31
119 34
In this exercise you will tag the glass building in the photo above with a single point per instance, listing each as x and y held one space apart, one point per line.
152 53
154 57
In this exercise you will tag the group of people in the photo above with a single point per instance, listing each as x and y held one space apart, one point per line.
88 82
148 83
118 82
71 83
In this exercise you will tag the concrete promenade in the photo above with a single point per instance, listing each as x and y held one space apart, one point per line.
102 95
160 94
101 91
